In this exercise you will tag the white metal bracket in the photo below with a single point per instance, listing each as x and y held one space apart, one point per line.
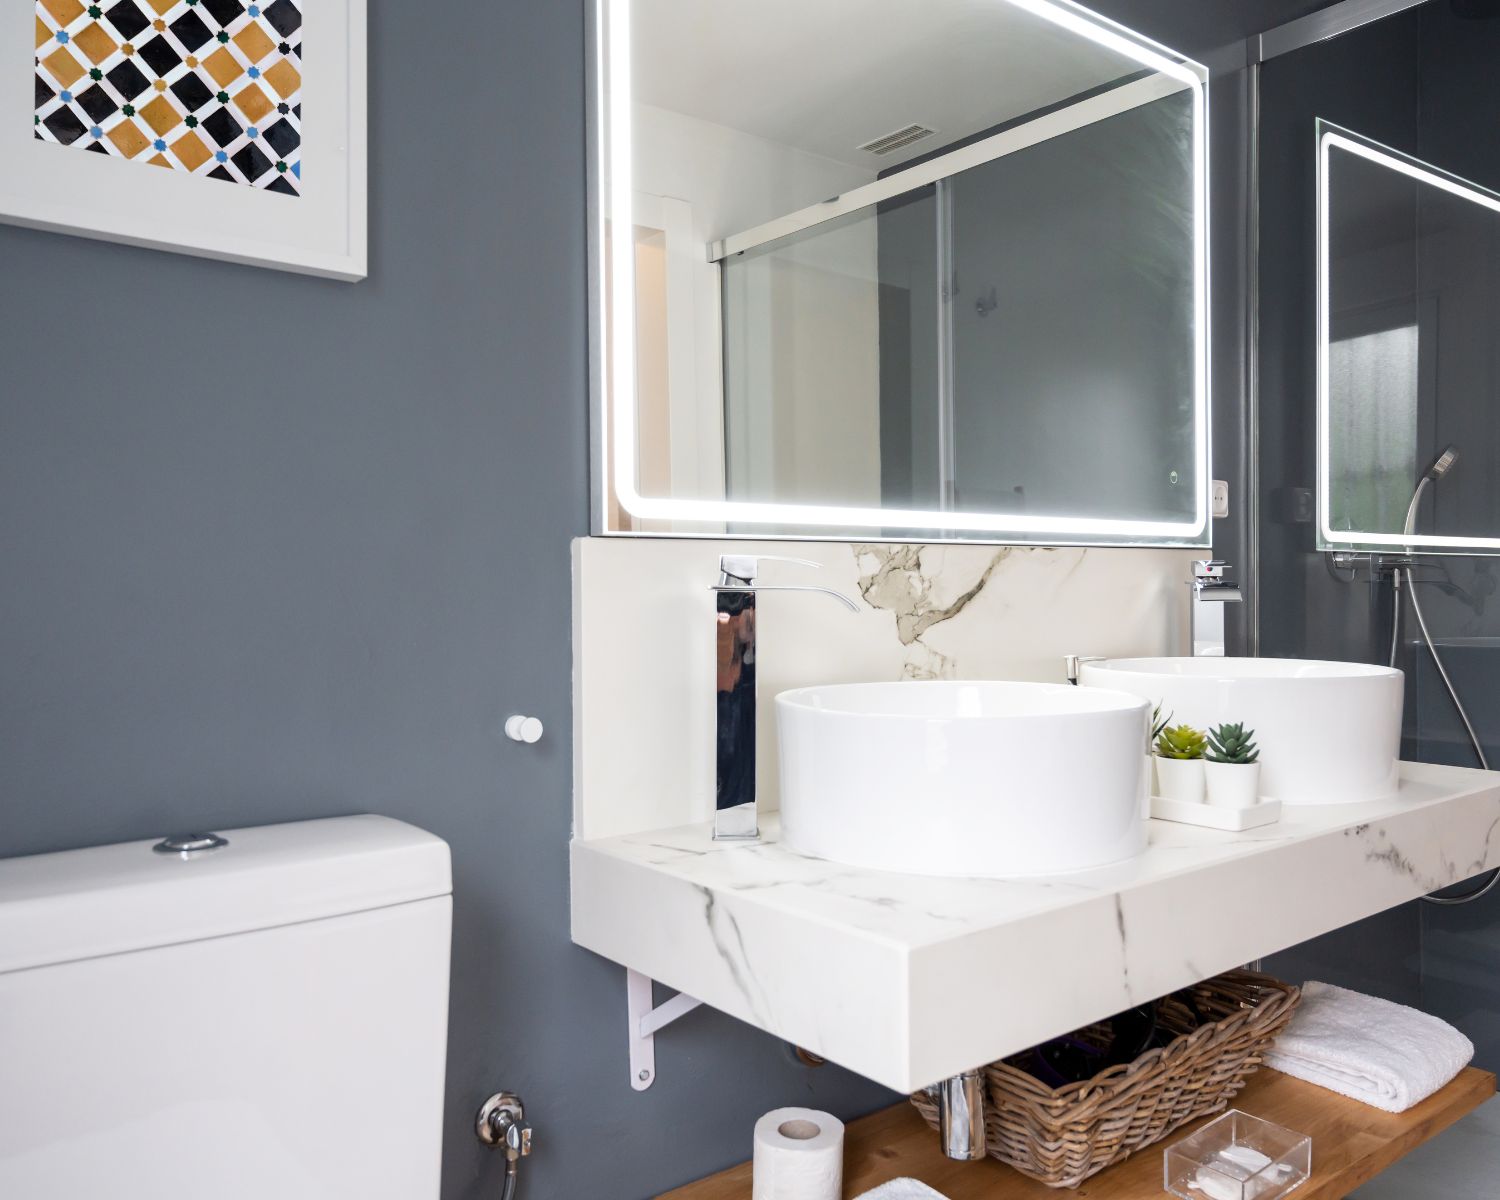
644 1023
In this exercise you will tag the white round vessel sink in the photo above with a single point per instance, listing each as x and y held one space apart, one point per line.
1329 732
993 780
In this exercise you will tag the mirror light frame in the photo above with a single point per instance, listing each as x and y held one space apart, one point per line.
1332 137
611 170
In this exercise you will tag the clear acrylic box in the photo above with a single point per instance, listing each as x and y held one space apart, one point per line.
1238 1157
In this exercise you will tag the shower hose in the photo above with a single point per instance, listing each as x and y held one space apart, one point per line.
1437 661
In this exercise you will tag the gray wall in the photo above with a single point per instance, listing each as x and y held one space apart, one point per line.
275 548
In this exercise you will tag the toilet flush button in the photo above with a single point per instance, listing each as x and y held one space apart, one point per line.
188 845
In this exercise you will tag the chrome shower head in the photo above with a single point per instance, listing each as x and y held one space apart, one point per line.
1442 464
1440 467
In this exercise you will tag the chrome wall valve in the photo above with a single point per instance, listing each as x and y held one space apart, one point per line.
501 1125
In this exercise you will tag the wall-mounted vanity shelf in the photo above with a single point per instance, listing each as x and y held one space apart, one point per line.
910 979
1352 1143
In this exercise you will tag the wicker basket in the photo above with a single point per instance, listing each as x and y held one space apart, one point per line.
1062 1137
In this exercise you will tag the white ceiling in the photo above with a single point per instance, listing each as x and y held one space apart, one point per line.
826 76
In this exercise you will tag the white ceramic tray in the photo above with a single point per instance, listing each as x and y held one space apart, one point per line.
1236 820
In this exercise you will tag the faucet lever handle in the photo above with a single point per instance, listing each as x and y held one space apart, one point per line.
1209 568
745 568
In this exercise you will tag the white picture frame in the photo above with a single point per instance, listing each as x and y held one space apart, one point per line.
323 231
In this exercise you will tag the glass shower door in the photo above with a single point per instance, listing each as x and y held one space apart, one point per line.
1091 358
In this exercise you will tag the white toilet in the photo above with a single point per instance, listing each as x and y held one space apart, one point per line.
262 1019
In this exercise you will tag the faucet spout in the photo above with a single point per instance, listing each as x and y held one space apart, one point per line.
735 815
790 587
1073 665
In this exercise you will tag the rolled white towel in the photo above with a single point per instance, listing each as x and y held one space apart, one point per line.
903 1189
1382 1054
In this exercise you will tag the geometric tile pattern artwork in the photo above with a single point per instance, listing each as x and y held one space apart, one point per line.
208 87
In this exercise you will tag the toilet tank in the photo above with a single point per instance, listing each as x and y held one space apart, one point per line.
263 1021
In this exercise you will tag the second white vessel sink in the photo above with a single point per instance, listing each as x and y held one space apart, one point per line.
992 780
1329 732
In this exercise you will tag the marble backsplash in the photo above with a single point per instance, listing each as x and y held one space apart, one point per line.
643 644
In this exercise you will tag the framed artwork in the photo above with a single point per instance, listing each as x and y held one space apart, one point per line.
224 128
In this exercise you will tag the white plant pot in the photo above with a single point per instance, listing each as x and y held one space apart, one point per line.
1148 786
1232 785
1180 779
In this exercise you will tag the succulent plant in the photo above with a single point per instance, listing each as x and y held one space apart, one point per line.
1232 744
1158 723
1180 741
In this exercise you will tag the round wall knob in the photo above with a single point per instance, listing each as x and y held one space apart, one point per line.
523 729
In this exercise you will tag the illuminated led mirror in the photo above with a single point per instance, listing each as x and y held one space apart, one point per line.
873 268
1408 306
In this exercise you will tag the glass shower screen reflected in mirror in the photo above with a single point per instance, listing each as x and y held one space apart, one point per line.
908 270
1409 283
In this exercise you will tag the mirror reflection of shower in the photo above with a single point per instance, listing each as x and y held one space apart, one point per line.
1440 467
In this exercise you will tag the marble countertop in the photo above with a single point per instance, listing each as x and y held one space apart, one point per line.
908 979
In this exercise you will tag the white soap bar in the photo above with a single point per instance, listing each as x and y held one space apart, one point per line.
1239 1165
1247 1158
1215 1186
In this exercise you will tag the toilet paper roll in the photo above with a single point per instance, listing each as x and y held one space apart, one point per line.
799 1155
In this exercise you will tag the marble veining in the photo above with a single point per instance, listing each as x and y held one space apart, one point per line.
729 942
894 578
908 979
644 672
1124 939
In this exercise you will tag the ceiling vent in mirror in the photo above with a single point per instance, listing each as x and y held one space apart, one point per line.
898 139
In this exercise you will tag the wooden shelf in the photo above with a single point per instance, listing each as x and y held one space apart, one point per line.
1352 1143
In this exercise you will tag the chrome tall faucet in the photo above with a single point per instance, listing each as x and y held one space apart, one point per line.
1211 592
734 809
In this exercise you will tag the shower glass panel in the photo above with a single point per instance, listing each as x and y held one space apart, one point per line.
1090 359
1412 344
829 350
1374 382
892 357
